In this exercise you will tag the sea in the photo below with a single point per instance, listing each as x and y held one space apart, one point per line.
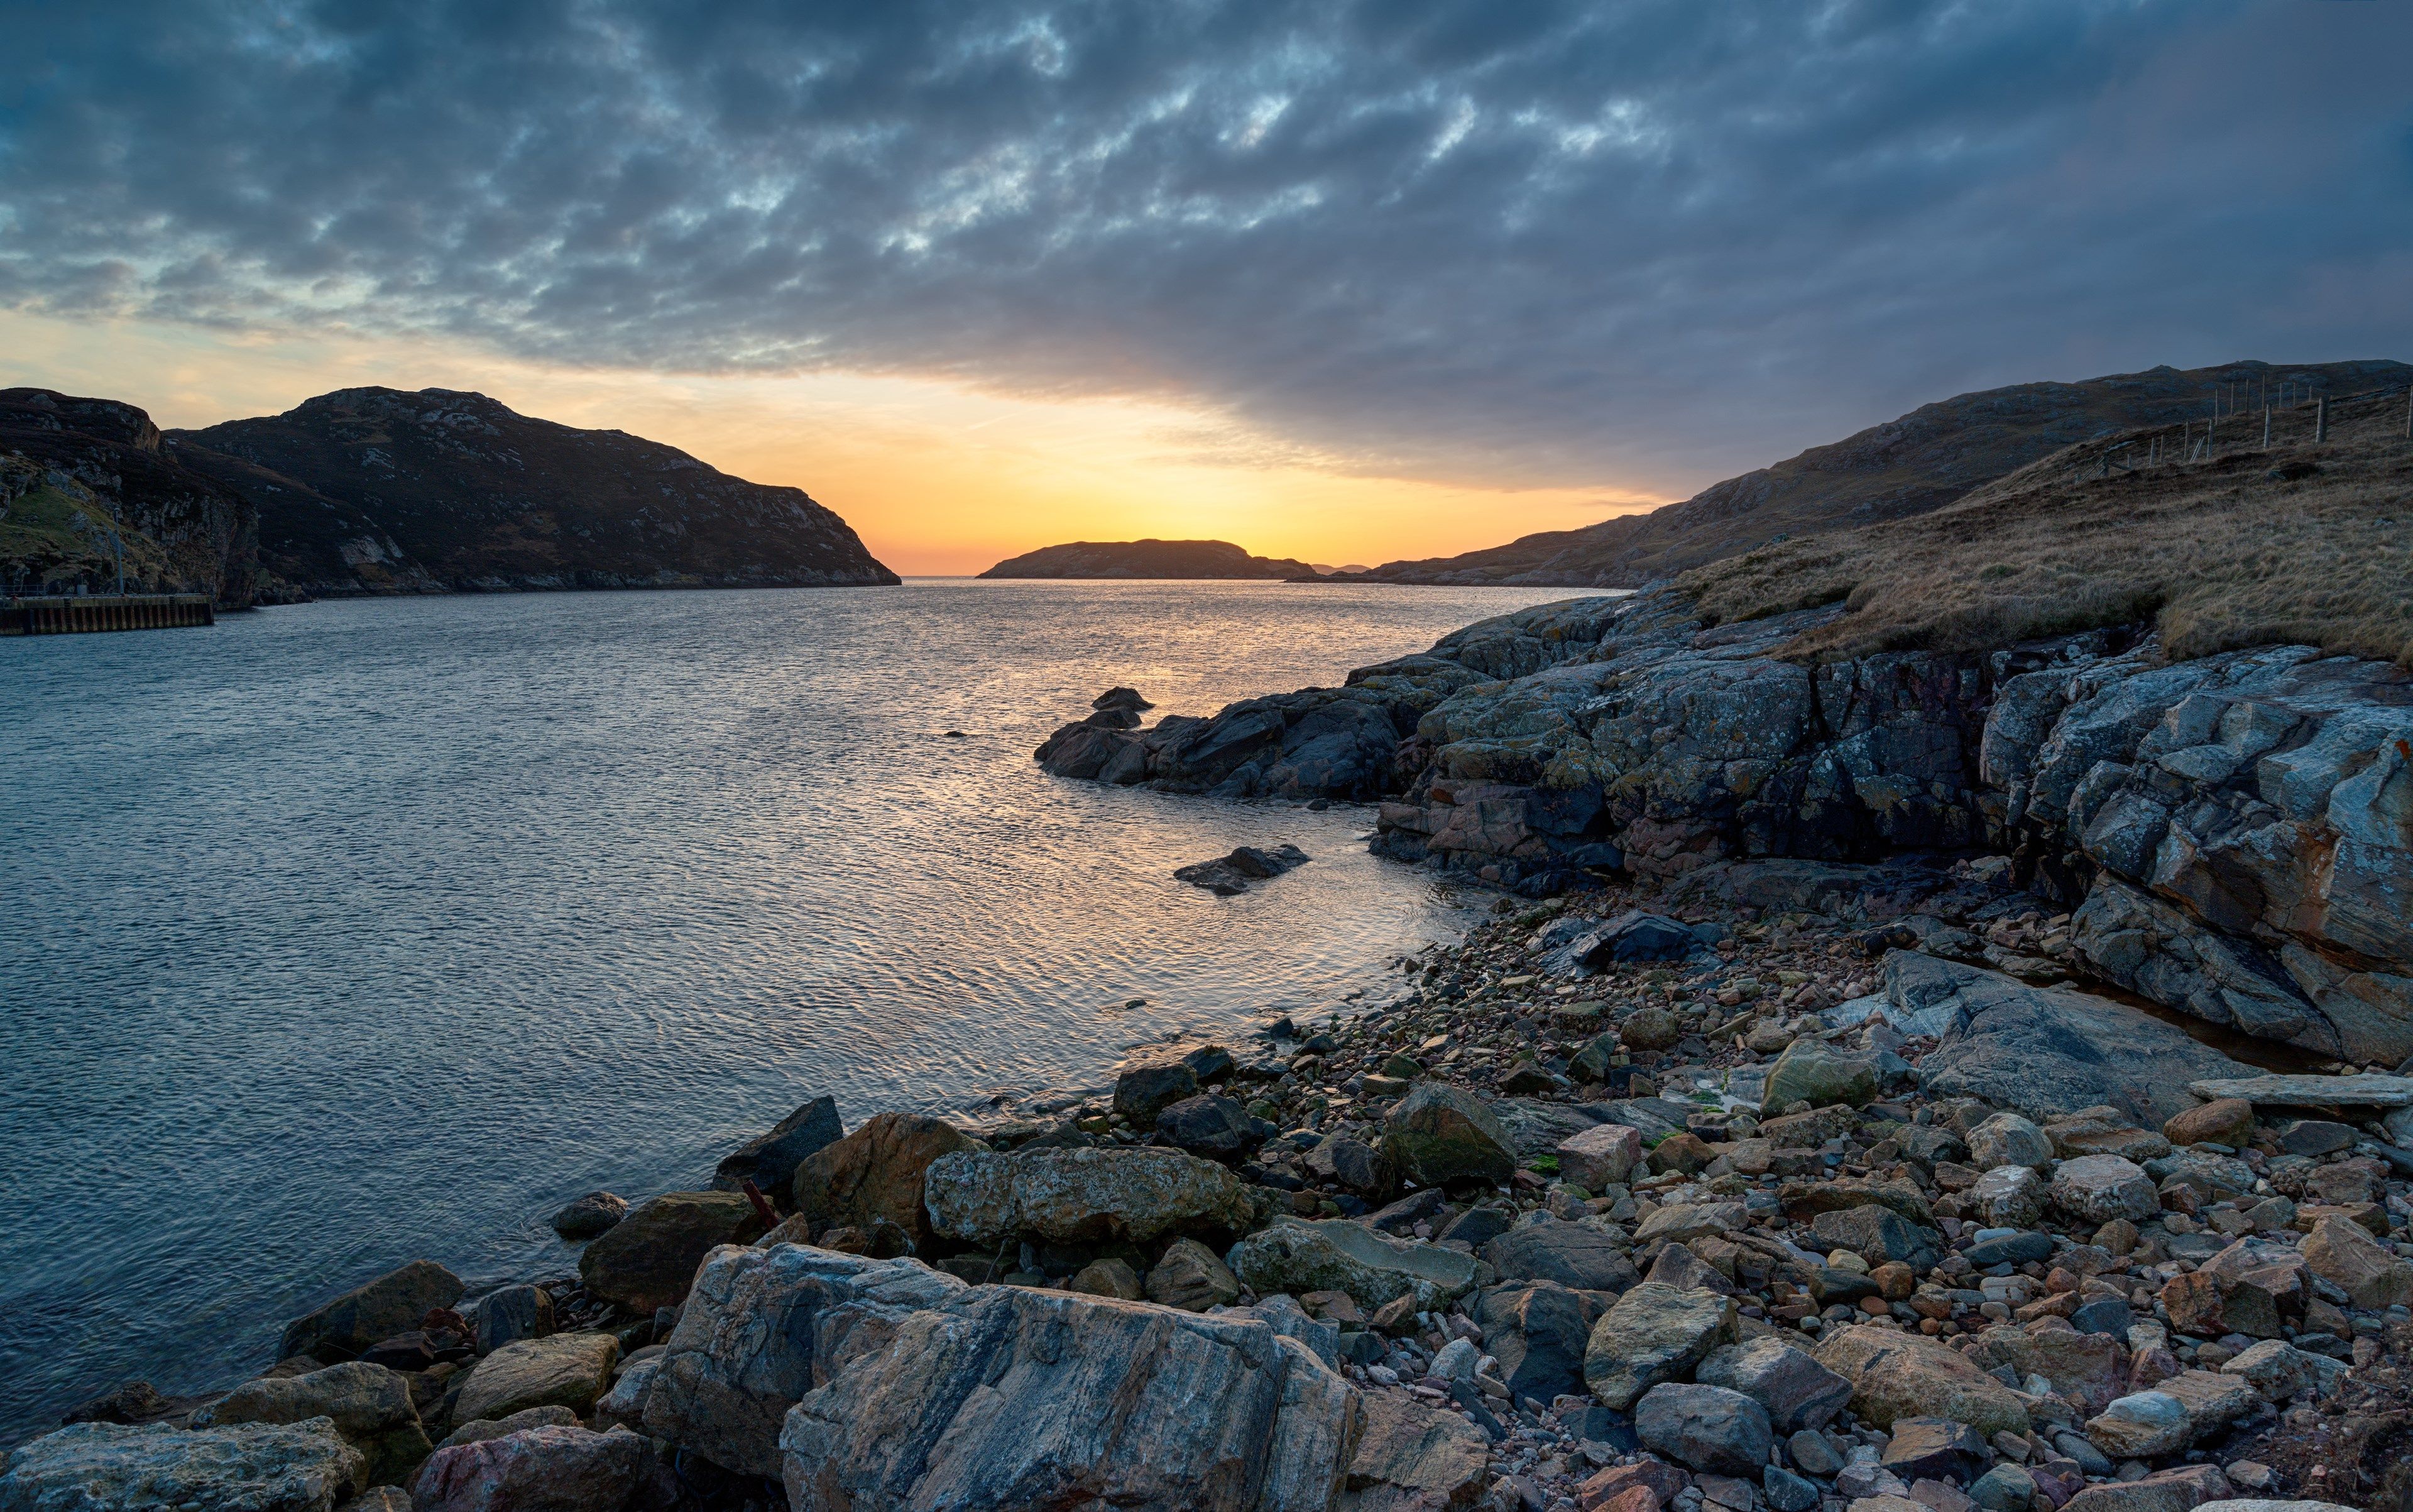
345 934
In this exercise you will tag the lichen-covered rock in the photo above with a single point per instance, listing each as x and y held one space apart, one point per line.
1895 1374
760 1328
1012 1396
1654 1333
565 1370
876 1174
1335 1254
1081 1196
647 1260
249 1467
370 1406
1811 1071
1439 1135
369 1313
568 1469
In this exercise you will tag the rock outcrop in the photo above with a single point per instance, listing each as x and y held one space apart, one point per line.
1150 558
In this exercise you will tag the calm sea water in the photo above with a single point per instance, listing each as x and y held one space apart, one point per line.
349 933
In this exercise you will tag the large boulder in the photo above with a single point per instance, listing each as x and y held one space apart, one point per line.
511 1313
1013 1397
877 1173
1654 1333
250 1467
1707 1427
770 1161
1144 1090
547 1470
1797 1390
1192 1277
1814 1072
370 1406
1335 1254
1896 1374
567 1370
647 1259
1412 1457
1211 1125
1602 1156
372 1312
1081 1196
1538 1332
1439 1135
760 1328
2090 1368
1571 1254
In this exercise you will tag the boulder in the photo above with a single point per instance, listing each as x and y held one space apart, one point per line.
2007 1197
760 1329
1538 1332
2143 1424
1895 1374
1707 1427
2008 1139
2209 1304
1439 1135
1551 1249
2344 1254
876 1174
1352 1166
2279 1370
1797 1390
623 1405
1081 1196
1013 1397
1211 1125
2176 1490
567 1370
2096 1189
1335 1254
1812 1071
2104 1131
1192 1277
370 1406
646 1261
1650 1029
1653 1334
2224 1120
1680 1223
2090 1368
568 1469
250 1467
379 1309
1600 1157
1412 1457
509 1315
1934 1448
1879 1235
1145 1090
589 1216
495 1428
770 1161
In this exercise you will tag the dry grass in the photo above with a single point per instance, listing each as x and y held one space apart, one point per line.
2217 554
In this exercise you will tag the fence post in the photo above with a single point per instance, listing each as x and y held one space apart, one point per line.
2321 420
2266 427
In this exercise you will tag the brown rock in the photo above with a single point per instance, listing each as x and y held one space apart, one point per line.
2345 1256
1683 1152
877 1172
1656 1479
2227 1120
2208 1304
1412 1457
647 1260
1896 1374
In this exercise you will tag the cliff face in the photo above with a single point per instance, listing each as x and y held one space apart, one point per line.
1149 558
71 468
1921 462
380 491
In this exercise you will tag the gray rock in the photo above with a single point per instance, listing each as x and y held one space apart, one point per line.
770 1161
589 1216
644 1262
565 1370
1192 1277
2006 1487
1811 1071
1934 1448
2007 1197
252 1467
370 1406
1797 1390
1081 1196
510 1315
547 1468
2138 942
1653 1334
1705 1428
495 1428
1787 1491
1335 1254
1352 1166
1146 1089
757 1331
1439 1135
1411 1456
2008 1139
370 1313
1538 1332
2100 1188
1211 1125
1813 1454
1012 1396
1571 1254
1878 1234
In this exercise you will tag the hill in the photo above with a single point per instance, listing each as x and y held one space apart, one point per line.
1148 559
1907 467
374 490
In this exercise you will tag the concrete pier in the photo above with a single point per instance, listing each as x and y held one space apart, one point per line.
83 613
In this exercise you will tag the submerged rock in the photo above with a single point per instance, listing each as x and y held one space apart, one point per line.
770 1161
1233 873
391 1304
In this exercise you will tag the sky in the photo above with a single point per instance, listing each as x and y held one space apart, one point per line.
1341 281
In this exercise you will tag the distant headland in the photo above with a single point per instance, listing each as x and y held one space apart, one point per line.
1149 558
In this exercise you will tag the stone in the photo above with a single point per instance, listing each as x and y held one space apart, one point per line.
1478 1225
1192 1277
391 1304
1896 1374
1211 1125
2176 1490
2207 1303
1650 1029
770 1161
2009 1250
1680 1223
567 1370
370 1406
1600 1157
2098 1189
1878 1234
623 1405
758 1331
248 1467
2344 1254
509 1315
589 1216
1796 1392
1808 1199
2090 1368
2005 1487
1687 1155
2279 1370
646 1260
1811 1071
1934 1448
1014 1396
2310 1091
2007 1197
1411 1458
2224 1120
1144 1090
1538 1332
2275 1267
2253 1504
2008 1139
1653 1334
1813 1453
877 1173
1081 1196
495 1428
1787 1491
568 1469
1440 1135
1705 1428
1572 1254
1352 1166
378 1499
1658 1482
2104 1131
1109 1277
1334 1254
2143 1424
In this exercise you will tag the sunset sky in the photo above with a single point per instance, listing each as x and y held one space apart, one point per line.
1342 282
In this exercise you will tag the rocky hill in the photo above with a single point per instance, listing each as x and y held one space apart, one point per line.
379 491
1149 558
1923 461
74 470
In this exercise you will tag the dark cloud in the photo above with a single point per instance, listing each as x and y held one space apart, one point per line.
1528 242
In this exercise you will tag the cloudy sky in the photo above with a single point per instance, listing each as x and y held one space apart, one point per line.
1344 281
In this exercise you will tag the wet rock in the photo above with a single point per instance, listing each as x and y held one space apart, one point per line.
2008 1139
1012 1396
757 1331
1705 1428
2342 1254
370 1406
509 1315
1600 1157
1081 1196
568 1370
564 1468
1411 1458
646 1260
770 1159
1653 1334
1896 1375
256 1467
1797 1390
589 1216
391 1304
1571 1254
1439 1135
1192 1277
875 1173
1216 1127
1934 1448
2098 1189
1335 1254
1230 874
1810 1070
1146 1089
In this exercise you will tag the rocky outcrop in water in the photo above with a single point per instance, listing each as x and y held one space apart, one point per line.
1150 558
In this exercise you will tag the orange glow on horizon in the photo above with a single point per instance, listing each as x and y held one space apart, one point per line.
936 478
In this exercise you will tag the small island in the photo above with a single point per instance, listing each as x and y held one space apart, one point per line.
1149 558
